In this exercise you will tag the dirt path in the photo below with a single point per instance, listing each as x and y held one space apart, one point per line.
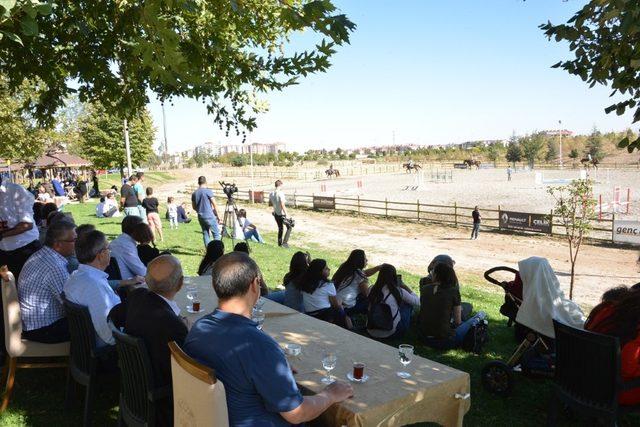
411 247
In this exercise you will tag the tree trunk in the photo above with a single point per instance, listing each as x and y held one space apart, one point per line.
573 270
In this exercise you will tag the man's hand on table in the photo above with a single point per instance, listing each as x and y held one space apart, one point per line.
339 391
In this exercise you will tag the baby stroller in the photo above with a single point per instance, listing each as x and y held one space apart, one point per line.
532 300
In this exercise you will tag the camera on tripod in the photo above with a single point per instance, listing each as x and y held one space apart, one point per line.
229 188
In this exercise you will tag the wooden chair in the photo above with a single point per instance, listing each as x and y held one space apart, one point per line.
198 398
587 375
18 347
138 395
84 355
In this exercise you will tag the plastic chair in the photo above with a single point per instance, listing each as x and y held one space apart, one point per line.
198 398
138 396
113 270
587 375
84 355
16 345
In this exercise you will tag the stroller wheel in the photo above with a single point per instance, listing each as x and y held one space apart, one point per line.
497 378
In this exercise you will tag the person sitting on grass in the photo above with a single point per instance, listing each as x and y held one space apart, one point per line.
291 296
389 290
466 307
249 230
352 283
619 315
260 391
319 295
147 250
183 213
215 249
439 302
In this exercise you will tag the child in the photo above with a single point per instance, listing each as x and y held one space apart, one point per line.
150 204
172 211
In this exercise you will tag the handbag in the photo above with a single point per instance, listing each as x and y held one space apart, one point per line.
379 316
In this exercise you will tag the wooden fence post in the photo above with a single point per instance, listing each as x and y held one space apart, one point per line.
613 218
455 213
551 223
418 208
295 201
358 205
386 208
499 226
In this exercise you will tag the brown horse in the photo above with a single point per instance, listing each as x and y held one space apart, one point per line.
409 167
472 162
586 162
332 172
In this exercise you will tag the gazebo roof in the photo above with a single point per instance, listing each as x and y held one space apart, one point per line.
60 160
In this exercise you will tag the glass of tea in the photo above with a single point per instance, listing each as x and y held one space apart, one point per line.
358 371
195 305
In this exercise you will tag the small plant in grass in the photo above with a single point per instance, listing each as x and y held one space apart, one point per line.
575 206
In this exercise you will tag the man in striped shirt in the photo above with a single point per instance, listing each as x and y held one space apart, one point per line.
40 286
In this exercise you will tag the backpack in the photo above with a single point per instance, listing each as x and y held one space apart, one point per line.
476 337
379 316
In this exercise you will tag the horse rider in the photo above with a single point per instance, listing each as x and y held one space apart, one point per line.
410 163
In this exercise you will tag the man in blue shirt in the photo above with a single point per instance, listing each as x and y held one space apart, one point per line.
203 202
259 384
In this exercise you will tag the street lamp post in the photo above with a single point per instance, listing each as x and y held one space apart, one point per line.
165 148
127 147
251 161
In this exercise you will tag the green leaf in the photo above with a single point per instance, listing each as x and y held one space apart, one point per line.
12 37
623 143
44 8
29 26
7 5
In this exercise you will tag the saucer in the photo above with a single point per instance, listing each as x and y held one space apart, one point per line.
364 379
190 310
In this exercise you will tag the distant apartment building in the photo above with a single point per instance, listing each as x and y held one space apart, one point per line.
256 148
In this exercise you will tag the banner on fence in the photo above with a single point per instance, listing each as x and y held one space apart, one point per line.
258 196
321 202
522 221
626 232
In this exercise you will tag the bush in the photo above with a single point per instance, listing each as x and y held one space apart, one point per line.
238 161
322 162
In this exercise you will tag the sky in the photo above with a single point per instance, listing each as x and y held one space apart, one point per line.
422 72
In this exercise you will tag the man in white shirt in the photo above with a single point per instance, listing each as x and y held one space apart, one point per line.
88 285
278 201
125 250
19 237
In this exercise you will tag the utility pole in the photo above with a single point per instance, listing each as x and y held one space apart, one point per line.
127 147
560 151
165 146
251 161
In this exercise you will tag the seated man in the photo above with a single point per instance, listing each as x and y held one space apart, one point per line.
88 285
124 249
154 316
258 380
183 214
41 283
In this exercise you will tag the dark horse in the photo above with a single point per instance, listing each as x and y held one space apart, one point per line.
586 162
408 167
471 162
332 172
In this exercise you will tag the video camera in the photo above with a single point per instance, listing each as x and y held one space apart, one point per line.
229 188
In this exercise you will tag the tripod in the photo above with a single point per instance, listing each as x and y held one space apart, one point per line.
230 221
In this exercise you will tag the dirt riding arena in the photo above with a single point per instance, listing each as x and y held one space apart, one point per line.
409 246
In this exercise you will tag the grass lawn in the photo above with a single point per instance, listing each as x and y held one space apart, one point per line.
151 179
39 394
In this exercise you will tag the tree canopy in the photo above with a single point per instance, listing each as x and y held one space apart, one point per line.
222 52
604 36
101 138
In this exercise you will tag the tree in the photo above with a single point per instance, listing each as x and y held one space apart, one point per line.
552 153
603 36
493 152
21 139
532 145
575 206
102 138
594 145
514 152
222 52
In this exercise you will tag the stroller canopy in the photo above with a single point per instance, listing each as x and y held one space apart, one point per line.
543 300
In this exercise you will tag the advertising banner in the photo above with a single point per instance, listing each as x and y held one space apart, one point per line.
321 202
626 232
522 221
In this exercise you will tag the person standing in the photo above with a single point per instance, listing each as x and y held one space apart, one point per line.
476 223
150 205
19 236
128 199
278 201
138 188
509 172
204 202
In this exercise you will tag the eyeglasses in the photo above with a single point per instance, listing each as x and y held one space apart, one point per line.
69 241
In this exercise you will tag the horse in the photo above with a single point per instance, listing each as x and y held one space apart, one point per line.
586 162
472 162
408 167
332 172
